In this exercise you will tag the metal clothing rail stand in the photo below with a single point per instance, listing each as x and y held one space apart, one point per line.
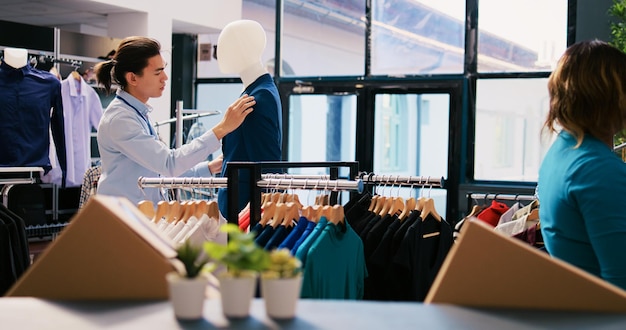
403 180
10 176
256 183
269 180
506 197
196 182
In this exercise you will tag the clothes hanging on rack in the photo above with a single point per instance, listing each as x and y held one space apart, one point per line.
31 104
517 221
14 253
82 112
404 245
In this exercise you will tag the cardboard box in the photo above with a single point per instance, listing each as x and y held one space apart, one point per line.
109 251
489 269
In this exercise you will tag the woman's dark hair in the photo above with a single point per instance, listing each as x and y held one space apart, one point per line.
132 55
588 91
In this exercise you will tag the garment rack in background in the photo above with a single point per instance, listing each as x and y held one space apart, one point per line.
505 197
402 180
267 181
255 169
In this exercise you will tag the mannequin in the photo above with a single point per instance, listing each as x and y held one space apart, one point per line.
16 57
239 49
32 104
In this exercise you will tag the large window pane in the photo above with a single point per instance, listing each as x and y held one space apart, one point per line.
509 117
321 128
411 138
417 37
323 38
521 36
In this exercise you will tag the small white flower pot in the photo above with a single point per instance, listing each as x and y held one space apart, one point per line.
236 295
187 295
281 296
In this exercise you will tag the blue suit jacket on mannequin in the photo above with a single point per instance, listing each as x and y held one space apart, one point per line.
259 138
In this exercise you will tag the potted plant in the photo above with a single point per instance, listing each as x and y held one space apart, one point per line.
243 260
281 283
187 287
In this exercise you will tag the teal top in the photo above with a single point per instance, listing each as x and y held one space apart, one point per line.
303 249
581 194
335 265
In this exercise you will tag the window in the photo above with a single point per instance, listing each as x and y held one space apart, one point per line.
324 38
417 37
411 139
521 36
322 128
509 117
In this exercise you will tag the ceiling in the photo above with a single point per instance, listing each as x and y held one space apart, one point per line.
72 15
58 13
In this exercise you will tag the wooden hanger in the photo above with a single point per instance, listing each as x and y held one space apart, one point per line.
76 75
429 208
147 208
293 214
337 214
420 203
202 207
173 211
189 209
386 206
316 213
475 210
279 214
213 210
325 212
409 205
162 210
397 206
268 212
380 203
373 203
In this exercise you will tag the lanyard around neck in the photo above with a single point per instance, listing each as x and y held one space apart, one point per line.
138 112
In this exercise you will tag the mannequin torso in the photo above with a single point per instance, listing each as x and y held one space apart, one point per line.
239 50
15 57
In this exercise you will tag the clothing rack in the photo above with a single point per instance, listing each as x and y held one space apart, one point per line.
270 180
198 115
255 168
402 180
19 175
180 110
73 63
506 197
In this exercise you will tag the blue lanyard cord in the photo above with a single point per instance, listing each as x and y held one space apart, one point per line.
139 113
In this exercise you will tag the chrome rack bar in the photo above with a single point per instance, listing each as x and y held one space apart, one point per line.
315 184
507 197
425 181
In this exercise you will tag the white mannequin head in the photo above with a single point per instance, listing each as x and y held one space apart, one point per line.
240 47
15 57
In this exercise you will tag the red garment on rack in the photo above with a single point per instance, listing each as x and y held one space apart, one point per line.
492 214
244 220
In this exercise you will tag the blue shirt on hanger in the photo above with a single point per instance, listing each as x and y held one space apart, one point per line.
26 97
